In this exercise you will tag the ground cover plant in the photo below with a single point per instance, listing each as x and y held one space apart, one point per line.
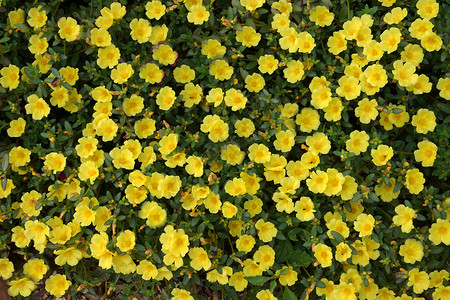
225 149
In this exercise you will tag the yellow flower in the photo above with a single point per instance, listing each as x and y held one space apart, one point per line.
155 9
318 143
106 18
288 279
70 74
235 99
151 73
213 49
165 55
38 44
422 85
265 295
100 37
294 71
334 183
351 27
235 187
199 259
57 285
321 16
259 153
123 264
404 73
192 94
198 14
122 73
23 286
254 83
349 188
284 141
266 230
70 256
419 280
108 57
29 202
55 162
183 74
414 181
390 38
221 70
244 127
323 255
170 186
348 87
147 270
337 42
35 269
18 237
10 77
155 214
245 243
88 170
107 129
431 42
364 224
420 27
440 232
126 241
343 252
68 29
373 50
16 17
317 181
253 206
381 155
84 215
165 98
267 64
194 166
308 119
404 218
443 86
366 110
19 156
248 36
304 209
297 169
411 251
6 268
413 54
327 290
140 30
252 5
180 294
305 42
426 153
376 75
427 9
159 34
358 142
37 17
274 168
424 121
395 16
133 105
60 97
168 143
345 291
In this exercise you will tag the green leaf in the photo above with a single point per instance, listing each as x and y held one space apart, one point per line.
283 250
258 280
288 294
21 26
386 181
5 162
337 236
320 284
397 187
301 258
397 110
67 86
4 182
55 72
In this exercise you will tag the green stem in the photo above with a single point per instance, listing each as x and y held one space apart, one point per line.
348 9
1 54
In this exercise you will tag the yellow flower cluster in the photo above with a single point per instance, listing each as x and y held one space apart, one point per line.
270 141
